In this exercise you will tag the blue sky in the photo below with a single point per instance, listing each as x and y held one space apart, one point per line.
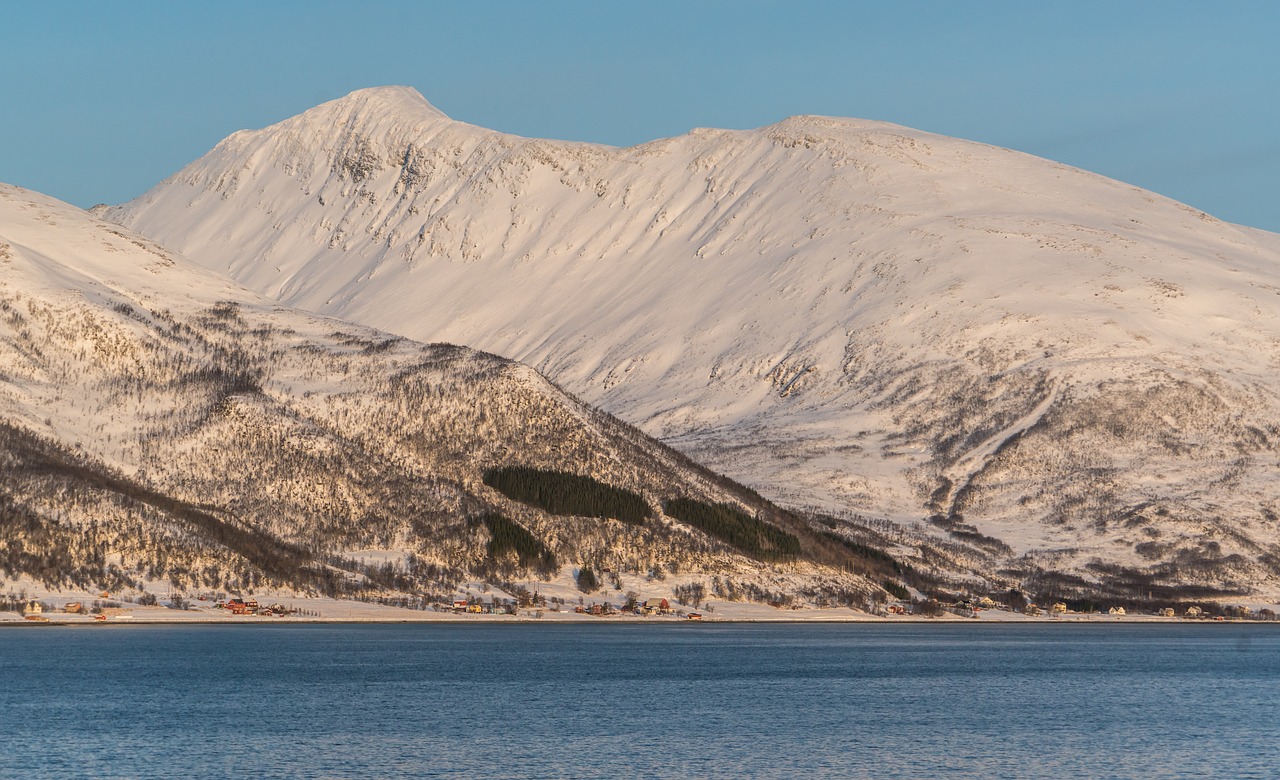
102 100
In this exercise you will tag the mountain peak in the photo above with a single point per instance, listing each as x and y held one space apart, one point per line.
348 138
884 321
396 100
373 111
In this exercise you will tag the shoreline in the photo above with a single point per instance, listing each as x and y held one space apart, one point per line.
562 600
177 618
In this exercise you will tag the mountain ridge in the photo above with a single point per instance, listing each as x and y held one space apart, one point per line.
876 320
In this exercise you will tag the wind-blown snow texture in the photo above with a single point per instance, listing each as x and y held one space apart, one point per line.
854 314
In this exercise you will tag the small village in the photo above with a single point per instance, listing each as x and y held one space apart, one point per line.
238 606
973 608
655 607
524 604
105 608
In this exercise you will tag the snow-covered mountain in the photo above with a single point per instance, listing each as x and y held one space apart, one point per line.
161 423
1074 375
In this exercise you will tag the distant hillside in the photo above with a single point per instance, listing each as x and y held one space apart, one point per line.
160 424
1067 376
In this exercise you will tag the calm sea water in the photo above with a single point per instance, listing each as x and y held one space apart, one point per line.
641 701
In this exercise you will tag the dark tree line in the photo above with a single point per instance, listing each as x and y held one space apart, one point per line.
561 493
509 535
864 551
752 536
587 580
896 589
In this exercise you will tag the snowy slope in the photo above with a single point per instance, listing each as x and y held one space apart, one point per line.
867 317
161 423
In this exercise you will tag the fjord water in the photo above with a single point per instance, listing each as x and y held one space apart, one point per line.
653 701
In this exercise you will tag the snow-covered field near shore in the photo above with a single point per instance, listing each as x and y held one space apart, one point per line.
329 610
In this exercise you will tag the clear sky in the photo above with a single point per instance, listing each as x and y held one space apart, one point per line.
99 101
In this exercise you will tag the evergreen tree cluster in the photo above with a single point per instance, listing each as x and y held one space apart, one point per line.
896 589
865 551
510 535
752 536
561 493
587 580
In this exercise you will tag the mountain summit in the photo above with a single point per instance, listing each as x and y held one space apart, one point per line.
1068 376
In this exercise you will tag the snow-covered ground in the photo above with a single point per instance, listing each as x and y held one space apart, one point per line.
336 611
845 314
561 594
158 421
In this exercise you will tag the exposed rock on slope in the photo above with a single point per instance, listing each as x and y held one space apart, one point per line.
876 319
